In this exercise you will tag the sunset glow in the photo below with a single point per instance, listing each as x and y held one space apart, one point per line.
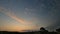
29 15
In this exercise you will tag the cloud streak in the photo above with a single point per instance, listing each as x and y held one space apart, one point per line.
12 15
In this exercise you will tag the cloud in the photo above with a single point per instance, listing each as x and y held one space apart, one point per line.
12 15
30 11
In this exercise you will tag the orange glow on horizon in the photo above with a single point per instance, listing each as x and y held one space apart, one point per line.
16 28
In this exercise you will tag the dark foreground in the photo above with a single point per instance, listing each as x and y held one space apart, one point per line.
38 32
42 31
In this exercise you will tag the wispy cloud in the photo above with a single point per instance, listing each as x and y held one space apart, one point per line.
12 15
30 11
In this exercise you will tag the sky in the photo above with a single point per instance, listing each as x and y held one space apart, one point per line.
20 15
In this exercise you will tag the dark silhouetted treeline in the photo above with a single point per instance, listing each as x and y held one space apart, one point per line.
42 31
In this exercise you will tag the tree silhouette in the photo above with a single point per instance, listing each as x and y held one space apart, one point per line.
43 30
58 30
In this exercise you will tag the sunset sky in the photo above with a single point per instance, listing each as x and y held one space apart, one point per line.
19 15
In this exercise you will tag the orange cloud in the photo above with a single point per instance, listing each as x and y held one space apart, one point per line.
17 19
12 15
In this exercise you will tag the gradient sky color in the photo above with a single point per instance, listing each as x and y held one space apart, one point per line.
18 15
